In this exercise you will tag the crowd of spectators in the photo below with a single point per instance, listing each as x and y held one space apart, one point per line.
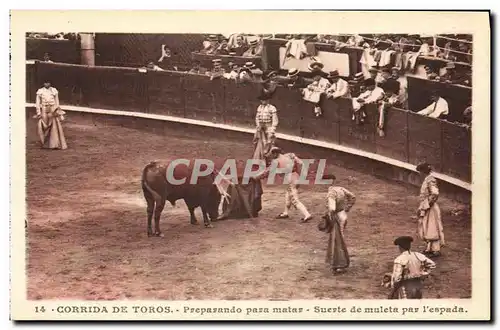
56 36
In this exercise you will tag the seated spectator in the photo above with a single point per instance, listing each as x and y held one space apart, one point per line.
165 53
210 45
338 87
232 72
197 69
372 94
453 77
254 50
46 58
223 48
294 80
237 46
437 109
217 70
153 67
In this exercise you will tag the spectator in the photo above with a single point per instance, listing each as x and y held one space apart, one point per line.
238 46
254 50
429 74
197 69
223 48
294 80
153 67
371 95
210 45
437 109
339 87
46 58
451 76
269 84
233 72
403 87
385 73
390 82
374 74
165 53
217 70
319 85
316 68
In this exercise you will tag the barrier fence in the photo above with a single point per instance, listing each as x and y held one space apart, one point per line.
410 138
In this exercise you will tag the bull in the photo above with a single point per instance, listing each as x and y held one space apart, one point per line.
157 190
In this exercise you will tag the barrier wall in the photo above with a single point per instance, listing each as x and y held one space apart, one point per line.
409 138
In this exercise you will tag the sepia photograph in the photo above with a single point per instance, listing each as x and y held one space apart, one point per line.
232 165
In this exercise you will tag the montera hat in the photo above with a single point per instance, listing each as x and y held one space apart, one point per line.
404 241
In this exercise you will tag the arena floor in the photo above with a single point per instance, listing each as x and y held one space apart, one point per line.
87 228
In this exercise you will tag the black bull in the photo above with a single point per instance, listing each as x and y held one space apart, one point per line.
157 190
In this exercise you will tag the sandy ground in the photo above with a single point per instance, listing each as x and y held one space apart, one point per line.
87 229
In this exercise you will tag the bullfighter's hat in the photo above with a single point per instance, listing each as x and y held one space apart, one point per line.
424 167
275 149
329 176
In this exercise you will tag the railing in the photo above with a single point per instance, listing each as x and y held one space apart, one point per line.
409 138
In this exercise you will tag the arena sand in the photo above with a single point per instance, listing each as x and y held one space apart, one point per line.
87 228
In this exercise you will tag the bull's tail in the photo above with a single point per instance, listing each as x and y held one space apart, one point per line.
145 187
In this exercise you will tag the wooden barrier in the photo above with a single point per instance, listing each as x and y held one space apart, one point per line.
409 138
166 93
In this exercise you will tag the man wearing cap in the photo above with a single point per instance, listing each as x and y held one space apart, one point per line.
217 70
409 270
294 80
374 74
339 202
381 78
49 116
197 69
371 95
254 50
437 109
266 122
338 87
430 227
294 163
